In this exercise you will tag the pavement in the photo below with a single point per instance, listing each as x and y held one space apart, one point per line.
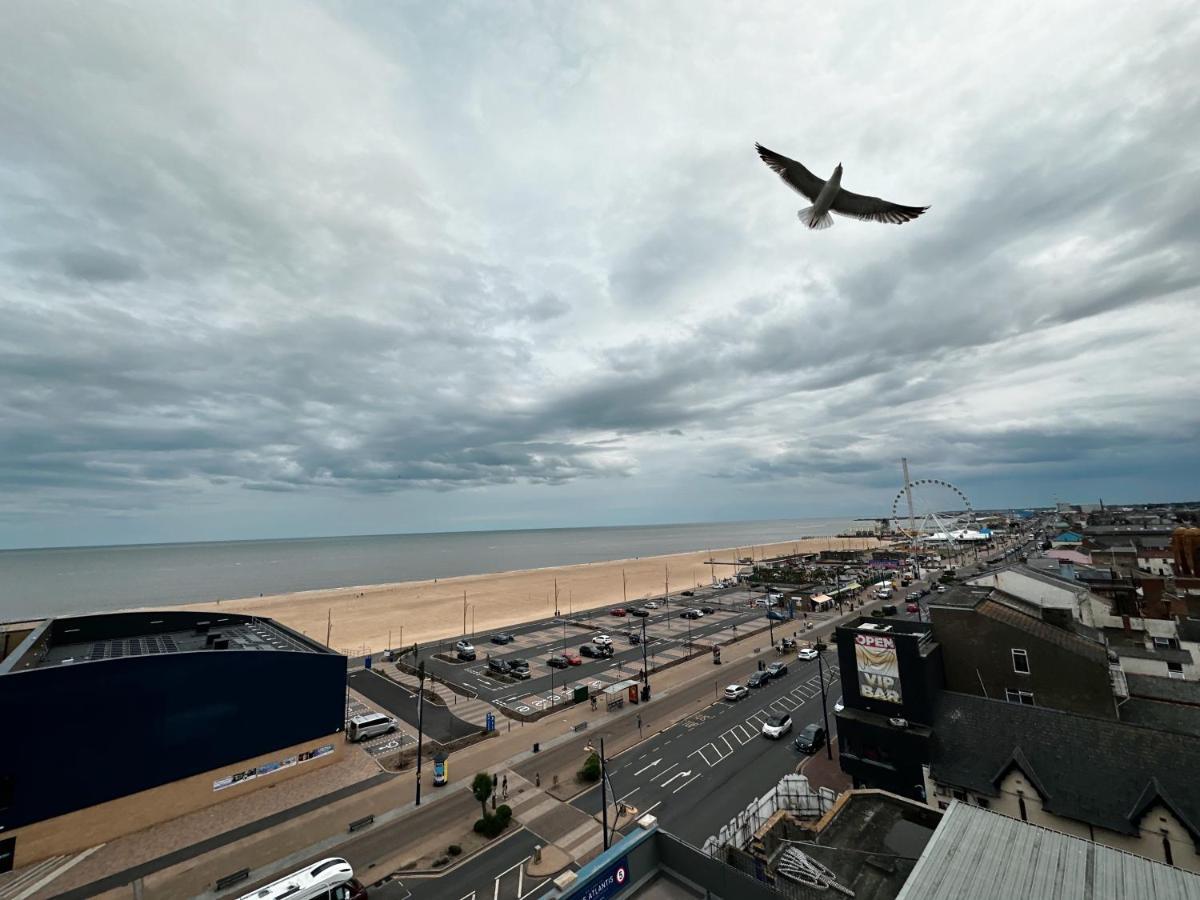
686 728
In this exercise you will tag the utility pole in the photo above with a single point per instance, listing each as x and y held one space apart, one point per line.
420 723
604 792
464 613
624 589
645 666
667 593
329 627
556 596
824 702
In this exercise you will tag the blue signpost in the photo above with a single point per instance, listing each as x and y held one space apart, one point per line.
609 882
491 722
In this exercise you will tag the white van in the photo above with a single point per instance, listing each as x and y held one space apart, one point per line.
368 726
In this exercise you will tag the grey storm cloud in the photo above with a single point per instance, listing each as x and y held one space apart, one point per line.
308 250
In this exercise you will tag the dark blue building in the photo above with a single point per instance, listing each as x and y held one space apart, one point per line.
99 709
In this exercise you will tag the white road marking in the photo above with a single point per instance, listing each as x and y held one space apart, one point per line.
686 783
676 775
650 809
664 771
650 766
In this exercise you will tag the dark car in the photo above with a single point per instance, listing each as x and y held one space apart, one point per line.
690 614
888 609
591 650
634 637
776 615
638 611
557 662
776 669
811 739
687 593
758 679
708 610
502 638
518 668
497 666
924 592
467 655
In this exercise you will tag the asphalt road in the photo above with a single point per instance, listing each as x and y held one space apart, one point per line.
497 873
696 775
441 725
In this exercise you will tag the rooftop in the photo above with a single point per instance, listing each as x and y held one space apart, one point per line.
1172 690
1132 644
988 856
977 741
1163 716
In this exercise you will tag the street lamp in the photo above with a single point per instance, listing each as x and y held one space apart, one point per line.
420 722
605 787
824 701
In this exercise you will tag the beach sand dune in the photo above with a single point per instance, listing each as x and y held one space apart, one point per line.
363 617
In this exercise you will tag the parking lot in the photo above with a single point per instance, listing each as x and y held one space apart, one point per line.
385 743
668 638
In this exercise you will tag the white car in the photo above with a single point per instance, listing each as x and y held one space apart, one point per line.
464 646
736 692
839 706
777 726
650 604
806 653
941 589
602 640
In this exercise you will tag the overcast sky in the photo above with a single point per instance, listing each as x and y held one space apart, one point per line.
278 269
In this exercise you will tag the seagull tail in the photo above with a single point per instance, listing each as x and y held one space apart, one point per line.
817 223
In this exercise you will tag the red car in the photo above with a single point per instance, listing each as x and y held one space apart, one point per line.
572 659
912 607
619 611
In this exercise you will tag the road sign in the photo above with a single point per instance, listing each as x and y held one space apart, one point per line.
608 882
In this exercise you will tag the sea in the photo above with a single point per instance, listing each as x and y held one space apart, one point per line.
61 580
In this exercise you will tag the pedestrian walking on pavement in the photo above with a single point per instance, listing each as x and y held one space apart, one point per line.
504 788
537 779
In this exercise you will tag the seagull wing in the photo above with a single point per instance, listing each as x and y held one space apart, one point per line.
872 209
797 177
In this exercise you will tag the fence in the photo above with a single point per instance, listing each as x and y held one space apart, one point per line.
792 794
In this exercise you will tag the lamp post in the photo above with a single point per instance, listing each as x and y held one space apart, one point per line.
605 786
824 701
420 723
645 668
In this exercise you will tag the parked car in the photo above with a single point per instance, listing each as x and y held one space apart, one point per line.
634 637
787 644
776 669
687 593
591 650
602 640
757 679
913 608
776 615
502 638
941 589
708 610
572 659
518 668
497 666
690 614
619 611
806 653
736 692
467 655
558 661
464 644
777 726
811 739
641 613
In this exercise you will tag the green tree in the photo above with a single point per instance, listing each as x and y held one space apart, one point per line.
591 768
481 787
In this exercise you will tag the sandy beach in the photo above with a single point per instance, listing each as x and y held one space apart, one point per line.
364 616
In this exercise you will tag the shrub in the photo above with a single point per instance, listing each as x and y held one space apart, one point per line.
591 769
454 849
481 825
440 861
504 813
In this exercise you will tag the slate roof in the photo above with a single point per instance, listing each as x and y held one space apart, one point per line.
1068 640
1163 716
1093 770
1173 690
984 855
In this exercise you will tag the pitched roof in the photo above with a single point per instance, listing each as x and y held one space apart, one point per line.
1155 687
1070 755
988 856
1163 716
1068 640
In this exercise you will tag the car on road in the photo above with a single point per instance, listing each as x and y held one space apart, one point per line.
651 604
497 667
619 611
639 612
736 692
572 658
595 652
941 589
602 640
776 669
708 610
839 706
518 668
787 644
811 739
690 614
687 593
925 592
758 679
777 726
558 661
634 637
502 638
913 608
807 653
464 644
888 609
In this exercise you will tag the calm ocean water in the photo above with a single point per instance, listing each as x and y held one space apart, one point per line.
85 579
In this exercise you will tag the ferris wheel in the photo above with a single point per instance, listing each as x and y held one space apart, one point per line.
931 509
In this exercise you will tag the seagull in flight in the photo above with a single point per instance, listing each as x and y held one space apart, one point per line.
829 196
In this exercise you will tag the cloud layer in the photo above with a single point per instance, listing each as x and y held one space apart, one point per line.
263 270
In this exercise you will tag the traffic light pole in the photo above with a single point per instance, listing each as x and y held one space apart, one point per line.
824 702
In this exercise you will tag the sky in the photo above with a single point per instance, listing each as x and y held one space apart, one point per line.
285 269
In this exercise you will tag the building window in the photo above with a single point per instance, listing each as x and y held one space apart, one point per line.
1021 804
1166 643
983 802
942 804
1167 855
1174 670
960 795
1020 662
1019 697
